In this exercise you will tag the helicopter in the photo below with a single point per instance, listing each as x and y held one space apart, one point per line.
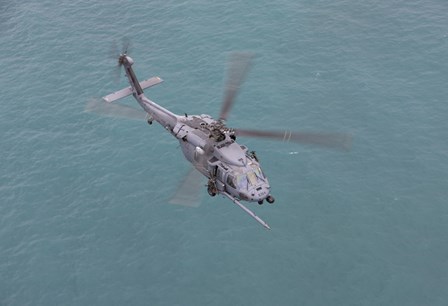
231 169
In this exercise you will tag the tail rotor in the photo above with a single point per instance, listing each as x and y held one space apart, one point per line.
120 55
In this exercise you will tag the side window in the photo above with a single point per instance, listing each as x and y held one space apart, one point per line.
230 181
220 174
214 171
196 156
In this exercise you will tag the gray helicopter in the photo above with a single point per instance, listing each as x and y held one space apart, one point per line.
210 146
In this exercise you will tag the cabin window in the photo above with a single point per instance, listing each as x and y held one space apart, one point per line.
221 174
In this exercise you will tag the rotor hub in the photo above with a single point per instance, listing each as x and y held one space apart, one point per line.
218 130
125 59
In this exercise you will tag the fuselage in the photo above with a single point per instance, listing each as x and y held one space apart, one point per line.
213 151
209 146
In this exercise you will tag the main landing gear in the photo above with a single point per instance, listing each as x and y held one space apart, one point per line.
211 188
270 199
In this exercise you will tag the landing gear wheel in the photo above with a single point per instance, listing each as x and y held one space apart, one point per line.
270 199
260 202
211 188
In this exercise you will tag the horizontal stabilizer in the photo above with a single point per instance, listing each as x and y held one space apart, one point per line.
128 90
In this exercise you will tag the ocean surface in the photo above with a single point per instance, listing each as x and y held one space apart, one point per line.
84 212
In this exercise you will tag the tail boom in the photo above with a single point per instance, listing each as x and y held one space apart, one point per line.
156 112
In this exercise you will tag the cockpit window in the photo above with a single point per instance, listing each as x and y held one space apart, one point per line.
245 180
230 181
257 171
252 178
241 181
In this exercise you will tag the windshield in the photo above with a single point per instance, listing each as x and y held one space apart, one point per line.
251 178
257 171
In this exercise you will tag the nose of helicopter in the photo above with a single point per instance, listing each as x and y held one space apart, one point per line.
259 193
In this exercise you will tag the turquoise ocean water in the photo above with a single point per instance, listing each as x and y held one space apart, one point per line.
84 213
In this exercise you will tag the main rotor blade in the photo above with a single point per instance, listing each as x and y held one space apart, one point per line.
98 106
336 141
239 65
189 191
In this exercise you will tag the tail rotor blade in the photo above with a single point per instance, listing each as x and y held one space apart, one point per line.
337 141
127 45
116 53
239 65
